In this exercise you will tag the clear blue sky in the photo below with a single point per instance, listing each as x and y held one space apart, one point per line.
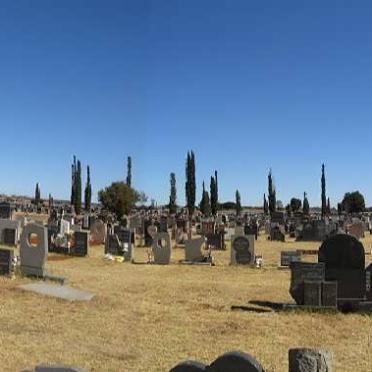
248 85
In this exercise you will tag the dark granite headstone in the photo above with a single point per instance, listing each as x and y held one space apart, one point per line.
217 241
113 245
312 293
81 243
344 259
235 361
329 294
189 366
6 256
9 236
301 271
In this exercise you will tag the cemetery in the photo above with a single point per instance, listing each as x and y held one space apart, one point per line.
185 186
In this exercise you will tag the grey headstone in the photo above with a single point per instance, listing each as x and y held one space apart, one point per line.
193 250
286 257
162 254
34 258
309 360
242 249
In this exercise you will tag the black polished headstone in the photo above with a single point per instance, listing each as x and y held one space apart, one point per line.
344 259
6 256
234 362
81 244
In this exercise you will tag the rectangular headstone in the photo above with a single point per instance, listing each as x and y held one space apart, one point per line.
6 257
329 294
312 293
286 257
10 236
81 243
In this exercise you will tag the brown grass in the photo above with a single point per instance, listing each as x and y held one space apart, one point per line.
149 318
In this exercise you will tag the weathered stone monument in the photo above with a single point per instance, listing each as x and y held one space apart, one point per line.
193 250
161 248
6 258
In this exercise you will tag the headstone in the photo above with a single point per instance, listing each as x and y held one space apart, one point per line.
10 236
344 259
189 366
193 250
356 229
216 241
113 246
208 227
369 282
64 227
312 293
161 251
6 210
6 258
286 257
34 250
300 272
277 234
127 240
81 243
309 360
236 361
239 230
329 294
97 233
242 250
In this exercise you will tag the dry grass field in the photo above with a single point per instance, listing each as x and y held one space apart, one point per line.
149 318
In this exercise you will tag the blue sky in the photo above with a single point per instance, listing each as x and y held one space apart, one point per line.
248 85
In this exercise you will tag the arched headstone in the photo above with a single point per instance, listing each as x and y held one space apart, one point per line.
97 233
236 361
344 259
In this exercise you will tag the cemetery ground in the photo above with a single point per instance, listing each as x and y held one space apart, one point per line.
150 317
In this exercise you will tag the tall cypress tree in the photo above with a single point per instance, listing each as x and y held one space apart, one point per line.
88 192
73 181
216 191
213 196
129 171
205 205
305 205
272 193
37 194
238 204
328 207
190 185
77 204
173 194
324 197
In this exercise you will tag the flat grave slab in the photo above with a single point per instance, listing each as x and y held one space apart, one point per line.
59 291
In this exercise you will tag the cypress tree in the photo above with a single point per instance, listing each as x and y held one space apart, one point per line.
73 181
173 194
324 198
272 193
238 204
305 205
216 190
129 171
77 204
88 192
190 185
205 206
328 207
37 194
213 196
